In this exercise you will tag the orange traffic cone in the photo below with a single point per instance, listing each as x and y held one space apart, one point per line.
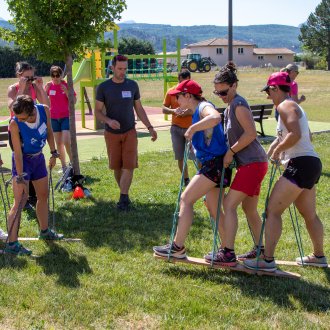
78 193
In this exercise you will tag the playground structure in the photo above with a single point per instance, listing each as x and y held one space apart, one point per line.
92 71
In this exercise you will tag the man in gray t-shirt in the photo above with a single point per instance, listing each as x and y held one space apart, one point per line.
120 97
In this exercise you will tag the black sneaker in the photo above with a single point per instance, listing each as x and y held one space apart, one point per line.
251 254
124 205
175 252
223 258
50 235
17 249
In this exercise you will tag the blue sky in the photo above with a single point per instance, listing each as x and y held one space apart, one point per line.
212 12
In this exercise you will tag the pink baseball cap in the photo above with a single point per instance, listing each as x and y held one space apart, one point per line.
276 79
187 86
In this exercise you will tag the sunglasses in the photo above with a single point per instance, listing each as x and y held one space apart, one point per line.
177 95
55 75
268 89
30 78
221 93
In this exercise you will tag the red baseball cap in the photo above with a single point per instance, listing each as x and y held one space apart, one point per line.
187 86
276 79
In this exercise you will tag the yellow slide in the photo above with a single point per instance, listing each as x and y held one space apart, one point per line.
81 71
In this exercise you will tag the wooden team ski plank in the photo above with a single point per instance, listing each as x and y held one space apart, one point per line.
293 263
239 267
37 239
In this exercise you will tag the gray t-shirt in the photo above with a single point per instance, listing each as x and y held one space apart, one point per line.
118 99
252 153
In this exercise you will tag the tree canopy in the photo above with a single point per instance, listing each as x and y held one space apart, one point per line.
58 30
315 33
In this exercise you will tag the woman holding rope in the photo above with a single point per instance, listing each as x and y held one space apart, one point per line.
251 162
30 128
208 140
294 149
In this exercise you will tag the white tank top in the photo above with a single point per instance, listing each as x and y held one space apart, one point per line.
303 147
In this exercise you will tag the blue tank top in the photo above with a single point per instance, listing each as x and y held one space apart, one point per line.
209 143
34 138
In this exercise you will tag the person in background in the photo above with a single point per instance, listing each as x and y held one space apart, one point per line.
293 71
120 97
57 91
207 137
3 234
181 120
297 184
251 162
30 130
28 84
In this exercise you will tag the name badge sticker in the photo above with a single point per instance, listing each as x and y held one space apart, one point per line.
126 94
42 129
52 92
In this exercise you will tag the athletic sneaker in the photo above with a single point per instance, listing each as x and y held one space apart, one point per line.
222 258
260 264
124 204
17 249
312 260
51 235
251 254
165 251
3 235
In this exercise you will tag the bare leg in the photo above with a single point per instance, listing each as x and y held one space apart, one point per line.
306 205
41 187
180 165
231 202
67 143
19 200
124 179
283 194
60 147
198 187
249 206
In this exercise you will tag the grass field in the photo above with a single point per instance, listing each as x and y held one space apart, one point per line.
110 280
315 85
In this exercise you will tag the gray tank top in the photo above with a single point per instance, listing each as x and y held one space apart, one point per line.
254 152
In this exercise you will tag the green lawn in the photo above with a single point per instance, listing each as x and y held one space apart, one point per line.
111 281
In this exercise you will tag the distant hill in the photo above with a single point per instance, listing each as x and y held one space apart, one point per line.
264 36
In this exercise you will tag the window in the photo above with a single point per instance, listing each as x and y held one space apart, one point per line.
219 51
260 57
240 50
279 57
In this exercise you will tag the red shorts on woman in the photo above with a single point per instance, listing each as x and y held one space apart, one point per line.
249 177
122 150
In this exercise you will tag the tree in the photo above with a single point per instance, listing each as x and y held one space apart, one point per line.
130 46
58 30
315 33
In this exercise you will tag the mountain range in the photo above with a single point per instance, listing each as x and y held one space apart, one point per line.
263 36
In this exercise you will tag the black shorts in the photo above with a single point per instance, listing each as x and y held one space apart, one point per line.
304 171
212 170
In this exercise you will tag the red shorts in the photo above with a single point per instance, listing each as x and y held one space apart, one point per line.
248 178
122 150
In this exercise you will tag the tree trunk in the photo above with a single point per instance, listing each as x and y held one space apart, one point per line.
73 135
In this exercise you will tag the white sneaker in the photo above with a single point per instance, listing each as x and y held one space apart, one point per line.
3 235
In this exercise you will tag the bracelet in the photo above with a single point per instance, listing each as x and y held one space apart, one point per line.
54 154
232 150
20 178
149 127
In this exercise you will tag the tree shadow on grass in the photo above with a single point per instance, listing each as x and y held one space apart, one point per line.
282 291
57 260
13 262
101 224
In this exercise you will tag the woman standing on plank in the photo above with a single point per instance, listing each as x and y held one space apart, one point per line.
252 164
30 128
294 149
208 140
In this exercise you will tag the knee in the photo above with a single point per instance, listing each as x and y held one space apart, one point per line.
185 200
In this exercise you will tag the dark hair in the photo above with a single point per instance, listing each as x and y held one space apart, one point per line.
23 103
57 69
119 58
284 88
227 74
184 74
198 97
23 66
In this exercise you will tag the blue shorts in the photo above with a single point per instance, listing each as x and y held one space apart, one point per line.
61 124
33 166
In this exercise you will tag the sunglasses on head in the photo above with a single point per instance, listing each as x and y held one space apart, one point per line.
55 75
177 95
221 93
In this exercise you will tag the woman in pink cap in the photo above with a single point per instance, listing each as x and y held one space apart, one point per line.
208 140
294 149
